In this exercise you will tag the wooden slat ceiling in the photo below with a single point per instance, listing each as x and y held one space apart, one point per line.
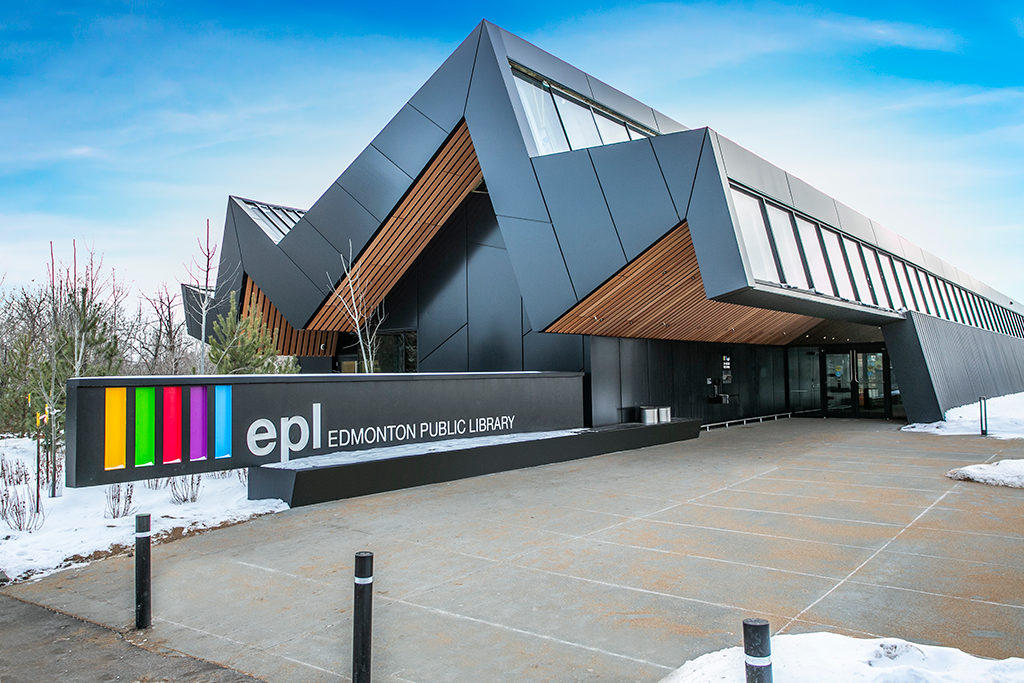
660 295
290 342
448 180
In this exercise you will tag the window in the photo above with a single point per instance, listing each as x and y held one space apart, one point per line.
808 234
940 302
786 244
910 293
834 250
875 275
860 277
899 300
578 121
611 131
755 237
542 117
635 134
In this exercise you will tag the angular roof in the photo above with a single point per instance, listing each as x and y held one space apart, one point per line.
578 215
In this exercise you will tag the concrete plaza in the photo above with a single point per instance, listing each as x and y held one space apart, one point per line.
616 568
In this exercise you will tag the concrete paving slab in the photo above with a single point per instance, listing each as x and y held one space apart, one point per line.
985 629
808 557
766 501
616 568
823 527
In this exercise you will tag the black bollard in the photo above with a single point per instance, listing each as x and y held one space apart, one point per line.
983 407
143 606
757 650
362 617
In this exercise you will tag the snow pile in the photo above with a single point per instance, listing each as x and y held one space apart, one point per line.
75 527
816 657
1005 419
349 457
1002 473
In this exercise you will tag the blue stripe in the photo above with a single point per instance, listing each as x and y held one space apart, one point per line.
222 419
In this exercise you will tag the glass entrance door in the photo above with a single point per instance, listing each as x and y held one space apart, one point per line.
839 384
871 384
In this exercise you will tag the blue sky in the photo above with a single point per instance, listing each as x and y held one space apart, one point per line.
126 125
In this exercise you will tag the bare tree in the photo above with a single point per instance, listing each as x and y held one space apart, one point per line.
202 272
163 346
366 319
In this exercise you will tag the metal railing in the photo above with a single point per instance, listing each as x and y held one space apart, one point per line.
744 421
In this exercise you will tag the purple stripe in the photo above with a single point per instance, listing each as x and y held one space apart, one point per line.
197 423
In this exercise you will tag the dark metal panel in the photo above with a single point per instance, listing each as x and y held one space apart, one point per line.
660 372
291 291
410 140
711 223
616 100
401 305
545 64
482 224
375 182
497 123
315 365
780 298
540 270
677 156
442 98
580 217
442 296
604 380
687 383
813 202
965 362
746 167
886 239
634 388
636 193
854 223
451 356
341 219
495 326
317 258
543 351
667 125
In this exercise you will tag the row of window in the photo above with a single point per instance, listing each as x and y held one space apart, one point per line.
788 249
560 122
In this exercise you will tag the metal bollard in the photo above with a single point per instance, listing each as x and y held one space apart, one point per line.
757 650
362 617
983 407
143 572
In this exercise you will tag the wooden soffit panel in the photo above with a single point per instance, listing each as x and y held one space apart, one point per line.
442 187
290 342
660 295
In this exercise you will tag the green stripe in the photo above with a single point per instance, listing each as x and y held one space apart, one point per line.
145 426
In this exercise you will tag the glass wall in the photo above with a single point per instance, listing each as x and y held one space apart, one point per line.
788 249
561 121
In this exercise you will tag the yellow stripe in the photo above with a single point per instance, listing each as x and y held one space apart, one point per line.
115 438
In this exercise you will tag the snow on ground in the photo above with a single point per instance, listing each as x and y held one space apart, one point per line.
349 457
816 657
75 525
1005 419
1002 473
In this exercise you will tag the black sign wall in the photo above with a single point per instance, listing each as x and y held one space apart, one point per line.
133 428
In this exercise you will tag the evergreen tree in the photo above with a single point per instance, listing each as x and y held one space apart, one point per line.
241 345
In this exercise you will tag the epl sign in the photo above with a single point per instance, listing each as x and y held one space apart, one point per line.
133 428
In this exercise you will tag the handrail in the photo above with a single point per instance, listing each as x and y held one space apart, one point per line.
745 420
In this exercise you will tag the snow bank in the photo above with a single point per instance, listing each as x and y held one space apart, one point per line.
75 526
1002 473
1005 419
816 657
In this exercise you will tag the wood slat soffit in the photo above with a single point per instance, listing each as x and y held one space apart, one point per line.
442 187
660 295
290 342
